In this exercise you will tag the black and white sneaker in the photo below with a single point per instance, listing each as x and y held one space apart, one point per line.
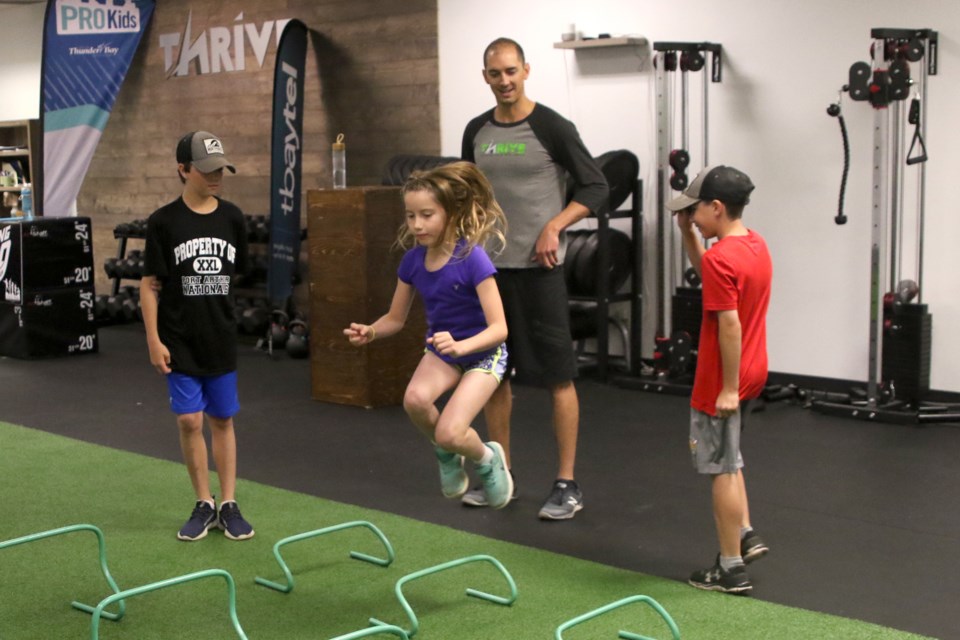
564 501
716 578
232 523
202 519
752 547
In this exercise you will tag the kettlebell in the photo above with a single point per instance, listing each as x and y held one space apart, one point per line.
298 340
279 332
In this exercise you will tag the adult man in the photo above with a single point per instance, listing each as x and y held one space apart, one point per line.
732 358
526 150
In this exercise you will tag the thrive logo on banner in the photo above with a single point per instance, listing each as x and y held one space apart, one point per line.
83 17
286 153
87 49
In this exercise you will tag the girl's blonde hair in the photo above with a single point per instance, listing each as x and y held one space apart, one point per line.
466 195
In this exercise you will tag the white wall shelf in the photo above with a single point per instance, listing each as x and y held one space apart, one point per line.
601 42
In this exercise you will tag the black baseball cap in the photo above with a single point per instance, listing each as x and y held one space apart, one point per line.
726 184
204 151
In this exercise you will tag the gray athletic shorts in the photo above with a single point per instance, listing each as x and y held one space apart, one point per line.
495 363
715 442
538 317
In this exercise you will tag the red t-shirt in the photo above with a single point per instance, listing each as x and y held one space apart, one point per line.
736 274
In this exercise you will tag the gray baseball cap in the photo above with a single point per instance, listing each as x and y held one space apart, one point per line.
718 182
204 151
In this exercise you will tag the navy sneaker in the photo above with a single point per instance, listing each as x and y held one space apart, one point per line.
232 523
203 518
716 578
564 501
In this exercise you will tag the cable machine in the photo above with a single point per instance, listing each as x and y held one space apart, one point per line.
679 304
900 324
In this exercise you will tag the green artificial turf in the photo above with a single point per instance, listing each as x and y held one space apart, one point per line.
138 502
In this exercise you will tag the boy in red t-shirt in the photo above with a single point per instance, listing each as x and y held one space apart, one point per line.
732 359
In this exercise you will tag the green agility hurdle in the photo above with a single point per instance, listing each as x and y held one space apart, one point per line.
375 631
209 573
103 562
626 635
287 588
415 624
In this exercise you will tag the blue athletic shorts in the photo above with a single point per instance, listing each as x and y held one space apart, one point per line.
214 395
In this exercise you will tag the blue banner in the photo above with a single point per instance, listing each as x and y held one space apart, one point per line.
285 161
87 49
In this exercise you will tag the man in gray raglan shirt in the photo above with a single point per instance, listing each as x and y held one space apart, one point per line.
527 151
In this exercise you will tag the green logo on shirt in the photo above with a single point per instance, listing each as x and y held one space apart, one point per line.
503 148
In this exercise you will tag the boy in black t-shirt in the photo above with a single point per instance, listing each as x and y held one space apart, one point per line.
195 245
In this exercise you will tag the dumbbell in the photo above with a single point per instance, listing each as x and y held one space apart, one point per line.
110 267
100 311
115 305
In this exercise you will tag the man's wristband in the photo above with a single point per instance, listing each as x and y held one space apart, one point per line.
372 332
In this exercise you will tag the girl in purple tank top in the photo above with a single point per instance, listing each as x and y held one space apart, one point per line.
450 213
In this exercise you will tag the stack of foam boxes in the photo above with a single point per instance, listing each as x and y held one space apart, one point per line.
46 288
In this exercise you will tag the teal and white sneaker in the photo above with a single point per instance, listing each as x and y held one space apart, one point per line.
496 478
454 481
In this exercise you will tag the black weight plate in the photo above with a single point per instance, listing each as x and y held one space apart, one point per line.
619 267
575 240
621 169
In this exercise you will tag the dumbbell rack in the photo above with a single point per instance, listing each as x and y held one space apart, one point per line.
123 233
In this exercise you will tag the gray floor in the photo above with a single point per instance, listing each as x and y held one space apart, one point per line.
862 518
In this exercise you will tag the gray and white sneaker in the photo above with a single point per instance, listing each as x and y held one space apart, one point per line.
477 497
563 502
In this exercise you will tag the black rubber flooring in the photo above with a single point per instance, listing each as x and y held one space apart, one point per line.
862 518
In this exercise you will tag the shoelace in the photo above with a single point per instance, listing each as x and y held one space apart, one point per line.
556 496
198 511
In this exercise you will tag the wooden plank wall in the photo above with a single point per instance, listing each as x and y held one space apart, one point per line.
372 74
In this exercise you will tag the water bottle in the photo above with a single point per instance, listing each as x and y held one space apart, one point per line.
339 157
26 201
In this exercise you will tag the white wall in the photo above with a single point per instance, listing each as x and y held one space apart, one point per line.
21 39
783 64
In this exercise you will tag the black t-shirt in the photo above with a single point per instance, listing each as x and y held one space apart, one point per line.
195 256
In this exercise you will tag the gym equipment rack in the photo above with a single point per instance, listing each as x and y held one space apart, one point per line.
679 316
898 374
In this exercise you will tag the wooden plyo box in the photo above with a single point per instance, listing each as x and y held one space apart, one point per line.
353 274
